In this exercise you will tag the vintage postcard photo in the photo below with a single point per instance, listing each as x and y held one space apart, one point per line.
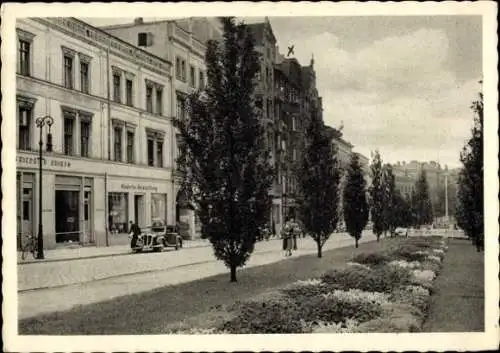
250 176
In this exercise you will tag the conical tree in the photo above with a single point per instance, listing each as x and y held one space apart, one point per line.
318 180
470 203
422 204
223 159
377 196
389 190
355 208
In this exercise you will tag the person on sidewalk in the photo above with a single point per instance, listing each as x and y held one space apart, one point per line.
287 233
135 231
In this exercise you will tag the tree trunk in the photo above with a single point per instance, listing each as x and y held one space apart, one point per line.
233 273
378 237
357 245
320 248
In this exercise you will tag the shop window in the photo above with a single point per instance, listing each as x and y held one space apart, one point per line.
158 206
118 212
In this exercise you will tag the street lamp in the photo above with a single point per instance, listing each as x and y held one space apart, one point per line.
40 123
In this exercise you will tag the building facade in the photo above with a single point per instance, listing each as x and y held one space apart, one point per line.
179 43
111 161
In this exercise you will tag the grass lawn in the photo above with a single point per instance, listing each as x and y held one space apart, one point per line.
152 312
457 304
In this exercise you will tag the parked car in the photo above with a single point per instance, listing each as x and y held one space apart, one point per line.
402 232
158 236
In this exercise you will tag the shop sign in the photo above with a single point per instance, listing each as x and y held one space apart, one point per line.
46 162
139 187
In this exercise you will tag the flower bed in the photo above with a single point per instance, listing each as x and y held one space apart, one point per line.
377 292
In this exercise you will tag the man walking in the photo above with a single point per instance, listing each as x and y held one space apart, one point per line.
135 231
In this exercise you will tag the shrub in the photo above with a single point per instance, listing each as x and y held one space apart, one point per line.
405 264
306 289
413 295
423 278
356 264
349 326
409 254
279 316
433 258
381 279
334 309
371 259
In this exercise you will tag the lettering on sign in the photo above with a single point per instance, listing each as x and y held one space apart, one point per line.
45 162
139 187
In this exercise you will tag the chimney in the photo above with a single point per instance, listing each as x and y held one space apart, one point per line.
138 21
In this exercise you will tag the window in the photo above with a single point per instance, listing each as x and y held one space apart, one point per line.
178 69
159 154
117 85
159 101
68 71
118 143
151 156
294 126
149 99
84 137
24 57
68 135
142 39
294 154
25 120
84 77
183 69
181 107
202 80
118 212
192 76
130 146
129 92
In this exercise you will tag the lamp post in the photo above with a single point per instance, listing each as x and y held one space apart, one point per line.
40 123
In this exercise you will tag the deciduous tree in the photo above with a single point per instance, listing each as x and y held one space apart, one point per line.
223 159
421 202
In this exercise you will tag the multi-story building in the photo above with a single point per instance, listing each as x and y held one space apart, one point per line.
177 42
111 161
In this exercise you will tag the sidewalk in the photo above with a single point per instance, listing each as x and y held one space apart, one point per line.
457 304
65 254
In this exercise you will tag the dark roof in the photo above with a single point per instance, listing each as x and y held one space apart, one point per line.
258 30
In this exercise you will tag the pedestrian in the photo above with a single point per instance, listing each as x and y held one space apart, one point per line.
287 233
135 231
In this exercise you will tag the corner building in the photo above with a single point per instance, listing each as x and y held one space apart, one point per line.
112 134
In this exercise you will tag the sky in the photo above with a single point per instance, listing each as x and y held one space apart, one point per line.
402 85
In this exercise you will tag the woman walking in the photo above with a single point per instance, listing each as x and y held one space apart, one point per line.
288 238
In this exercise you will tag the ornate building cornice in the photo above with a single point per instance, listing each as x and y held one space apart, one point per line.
102 40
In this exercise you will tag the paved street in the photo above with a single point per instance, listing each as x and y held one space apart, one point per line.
79 282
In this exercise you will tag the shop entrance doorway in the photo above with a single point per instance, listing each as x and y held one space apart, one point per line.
67 216
139 210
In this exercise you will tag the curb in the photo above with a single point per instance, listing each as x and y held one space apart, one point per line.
130 274
30 262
